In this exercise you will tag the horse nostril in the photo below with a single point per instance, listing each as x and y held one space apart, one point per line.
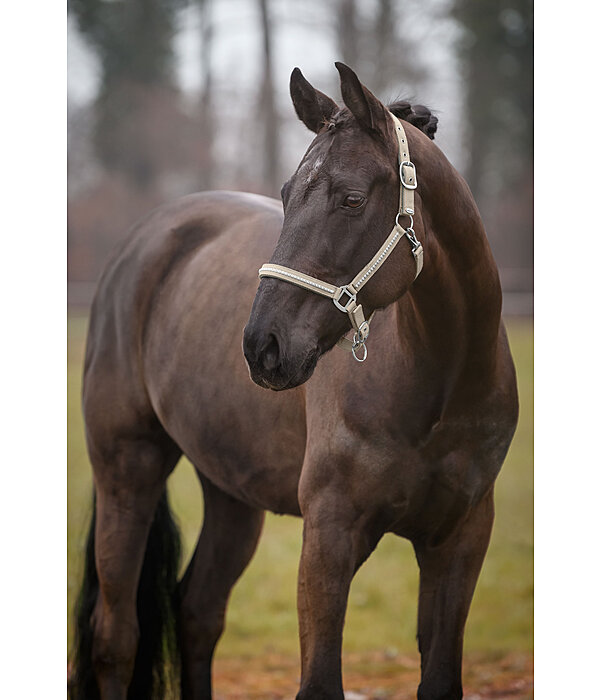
271 354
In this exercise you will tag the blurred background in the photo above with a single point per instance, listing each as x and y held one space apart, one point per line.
167 97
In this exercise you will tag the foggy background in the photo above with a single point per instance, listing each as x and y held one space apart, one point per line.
168 97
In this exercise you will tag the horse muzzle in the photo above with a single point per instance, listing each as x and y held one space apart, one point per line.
272 362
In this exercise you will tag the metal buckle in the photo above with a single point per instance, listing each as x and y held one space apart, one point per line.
363 332
344 307
409 164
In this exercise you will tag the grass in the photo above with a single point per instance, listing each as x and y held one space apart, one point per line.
383 600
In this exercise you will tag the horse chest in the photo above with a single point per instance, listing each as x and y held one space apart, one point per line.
392 451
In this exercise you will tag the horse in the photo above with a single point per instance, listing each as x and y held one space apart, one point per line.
189 352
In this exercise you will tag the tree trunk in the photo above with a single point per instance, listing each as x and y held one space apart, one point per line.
383 39
347 32
207 128
267 107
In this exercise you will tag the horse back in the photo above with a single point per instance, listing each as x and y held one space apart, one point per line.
164 346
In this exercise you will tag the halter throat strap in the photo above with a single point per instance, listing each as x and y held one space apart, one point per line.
345 297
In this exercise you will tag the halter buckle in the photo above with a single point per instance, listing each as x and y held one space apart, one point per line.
408 185
362 333
351 299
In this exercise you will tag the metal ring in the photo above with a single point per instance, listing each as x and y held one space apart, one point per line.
399 214
354 348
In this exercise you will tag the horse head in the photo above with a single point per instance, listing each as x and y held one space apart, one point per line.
339 207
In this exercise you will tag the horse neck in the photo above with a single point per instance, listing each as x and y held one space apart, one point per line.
455 303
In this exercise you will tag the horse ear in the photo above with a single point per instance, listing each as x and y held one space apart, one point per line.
312 107
368 111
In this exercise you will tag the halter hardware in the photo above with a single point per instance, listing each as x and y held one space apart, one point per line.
357 345
344 297
412 179
412 237
351 299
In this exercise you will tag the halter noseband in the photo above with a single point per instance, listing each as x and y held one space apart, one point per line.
344 297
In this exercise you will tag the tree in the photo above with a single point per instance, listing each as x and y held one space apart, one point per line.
267 105
136 110
207 126
496 53
348 33
379 47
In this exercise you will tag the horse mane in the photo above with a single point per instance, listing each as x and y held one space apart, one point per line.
417 115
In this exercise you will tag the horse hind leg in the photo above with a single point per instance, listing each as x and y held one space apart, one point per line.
448 575
129 481
227 542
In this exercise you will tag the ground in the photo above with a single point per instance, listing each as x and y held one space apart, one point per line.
258 654
374 676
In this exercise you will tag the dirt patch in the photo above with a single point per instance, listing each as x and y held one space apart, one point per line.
375 676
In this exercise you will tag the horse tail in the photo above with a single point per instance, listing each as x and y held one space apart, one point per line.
156 670
82 682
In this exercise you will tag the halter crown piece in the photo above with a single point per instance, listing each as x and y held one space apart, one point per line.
344 297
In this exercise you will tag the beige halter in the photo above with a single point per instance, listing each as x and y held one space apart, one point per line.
344 297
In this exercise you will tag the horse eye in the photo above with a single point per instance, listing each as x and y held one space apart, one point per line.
354 201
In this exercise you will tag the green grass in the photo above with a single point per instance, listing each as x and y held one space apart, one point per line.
383 599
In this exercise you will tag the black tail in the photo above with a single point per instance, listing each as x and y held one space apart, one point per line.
156 671
82 683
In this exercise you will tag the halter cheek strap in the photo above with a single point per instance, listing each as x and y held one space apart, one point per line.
344 297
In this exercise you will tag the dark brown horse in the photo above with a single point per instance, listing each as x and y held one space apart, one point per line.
409 442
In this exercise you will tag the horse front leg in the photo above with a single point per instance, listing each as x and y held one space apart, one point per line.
336 541
448 574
